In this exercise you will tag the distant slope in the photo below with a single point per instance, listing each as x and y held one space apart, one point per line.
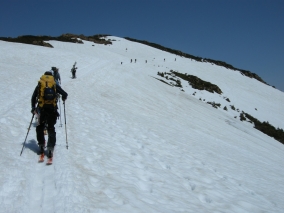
219 63
40 40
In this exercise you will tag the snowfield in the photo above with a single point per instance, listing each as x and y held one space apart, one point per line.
136 144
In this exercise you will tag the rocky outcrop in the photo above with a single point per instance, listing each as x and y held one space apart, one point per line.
41 40
42 43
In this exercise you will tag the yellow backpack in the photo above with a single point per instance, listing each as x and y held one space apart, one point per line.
47 91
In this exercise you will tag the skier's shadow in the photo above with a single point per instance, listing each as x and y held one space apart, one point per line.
32 145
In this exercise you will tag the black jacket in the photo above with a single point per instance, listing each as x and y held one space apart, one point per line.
58 90
56 76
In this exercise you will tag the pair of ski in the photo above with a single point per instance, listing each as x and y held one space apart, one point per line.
41 159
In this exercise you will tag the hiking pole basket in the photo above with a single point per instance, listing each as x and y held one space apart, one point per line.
27 134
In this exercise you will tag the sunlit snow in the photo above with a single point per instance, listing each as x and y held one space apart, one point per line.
137 144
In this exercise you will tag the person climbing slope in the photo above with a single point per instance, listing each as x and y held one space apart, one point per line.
44 95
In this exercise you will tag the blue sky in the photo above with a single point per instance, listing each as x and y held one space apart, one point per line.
248 34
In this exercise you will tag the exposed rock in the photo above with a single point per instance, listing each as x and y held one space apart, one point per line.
198 83
41 40
42 43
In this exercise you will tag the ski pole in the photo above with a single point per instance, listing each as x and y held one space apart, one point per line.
60 113
27 134
65 125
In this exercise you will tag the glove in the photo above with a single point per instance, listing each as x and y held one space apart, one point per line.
33 110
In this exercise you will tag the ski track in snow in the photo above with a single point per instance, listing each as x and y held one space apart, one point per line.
135 144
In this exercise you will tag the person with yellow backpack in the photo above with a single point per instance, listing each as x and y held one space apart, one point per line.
45 95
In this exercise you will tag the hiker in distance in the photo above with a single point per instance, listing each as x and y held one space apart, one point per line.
56 75
45 94
73 70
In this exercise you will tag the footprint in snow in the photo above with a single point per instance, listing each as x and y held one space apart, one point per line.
204 198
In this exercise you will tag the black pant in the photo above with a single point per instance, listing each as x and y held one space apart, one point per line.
47 117
74 74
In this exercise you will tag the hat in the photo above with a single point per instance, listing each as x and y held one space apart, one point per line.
48 73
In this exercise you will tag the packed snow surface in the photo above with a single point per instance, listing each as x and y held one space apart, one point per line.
136 144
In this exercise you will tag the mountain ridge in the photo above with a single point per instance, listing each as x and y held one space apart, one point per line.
99 39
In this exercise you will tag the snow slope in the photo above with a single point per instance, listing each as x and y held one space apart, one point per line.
135 143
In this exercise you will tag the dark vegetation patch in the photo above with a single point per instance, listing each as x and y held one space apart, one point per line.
265 127
41 40
243 117
215 105
169 76
198 83
194 81
163 81
196 58
227 99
